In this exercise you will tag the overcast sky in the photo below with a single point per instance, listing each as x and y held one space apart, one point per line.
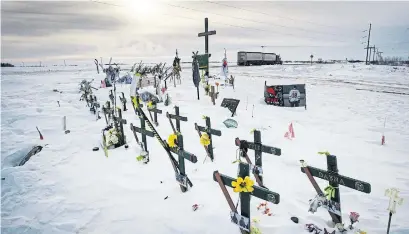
82 30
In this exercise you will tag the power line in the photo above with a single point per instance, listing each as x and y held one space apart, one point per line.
283 17
217 22
260 22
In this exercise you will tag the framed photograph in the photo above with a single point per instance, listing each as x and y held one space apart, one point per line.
181 179
293 95
241 221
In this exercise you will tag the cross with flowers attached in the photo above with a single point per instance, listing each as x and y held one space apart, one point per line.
245 186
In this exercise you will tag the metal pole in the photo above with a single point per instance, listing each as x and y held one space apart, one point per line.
389 222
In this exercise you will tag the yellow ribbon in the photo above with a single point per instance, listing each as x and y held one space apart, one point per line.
329 192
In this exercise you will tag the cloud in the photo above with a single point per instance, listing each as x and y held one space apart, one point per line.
50 29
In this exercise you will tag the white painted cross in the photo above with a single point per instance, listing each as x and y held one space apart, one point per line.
393 195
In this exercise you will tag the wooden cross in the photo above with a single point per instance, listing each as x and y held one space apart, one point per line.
94 104
177 117
180 173
155 114
208 129
142 130
119 123
182 155
123 100
107 110
206 34
111 97
259 192
179 150
258 149
335 180
213 95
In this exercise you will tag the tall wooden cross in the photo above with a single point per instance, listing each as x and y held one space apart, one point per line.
335 180
259 192
258 149
206 34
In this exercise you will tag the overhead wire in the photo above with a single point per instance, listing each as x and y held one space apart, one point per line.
261 22
275 15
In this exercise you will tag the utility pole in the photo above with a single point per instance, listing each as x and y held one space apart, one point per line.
367 45
262 49
373 53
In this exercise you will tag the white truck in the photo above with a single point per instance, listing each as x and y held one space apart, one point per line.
257 58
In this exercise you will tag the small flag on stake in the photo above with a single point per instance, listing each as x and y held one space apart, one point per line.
383 133
290 133
41 135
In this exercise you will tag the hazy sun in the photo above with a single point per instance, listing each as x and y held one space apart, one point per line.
141 8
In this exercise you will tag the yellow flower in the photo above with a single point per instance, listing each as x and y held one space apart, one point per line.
243 186
172 140
150 105
204 139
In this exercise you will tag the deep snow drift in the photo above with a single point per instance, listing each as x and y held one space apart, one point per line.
68 188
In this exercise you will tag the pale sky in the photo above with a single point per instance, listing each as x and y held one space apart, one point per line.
34 31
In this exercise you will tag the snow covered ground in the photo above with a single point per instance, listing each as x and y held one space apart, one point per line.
68 188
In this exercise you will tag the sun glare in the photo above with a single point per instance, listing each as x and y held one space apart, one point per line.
141 8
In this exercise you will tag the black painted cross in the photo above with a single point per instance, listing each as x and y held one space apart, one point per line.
258 149
119 124
334 179
123 100
259 192
208 129
206 34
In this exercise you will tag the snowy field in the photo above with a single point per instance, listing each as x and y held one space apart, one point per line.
68 188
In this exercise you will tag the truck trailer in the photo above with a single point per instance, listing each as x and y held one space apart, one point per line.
257 58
